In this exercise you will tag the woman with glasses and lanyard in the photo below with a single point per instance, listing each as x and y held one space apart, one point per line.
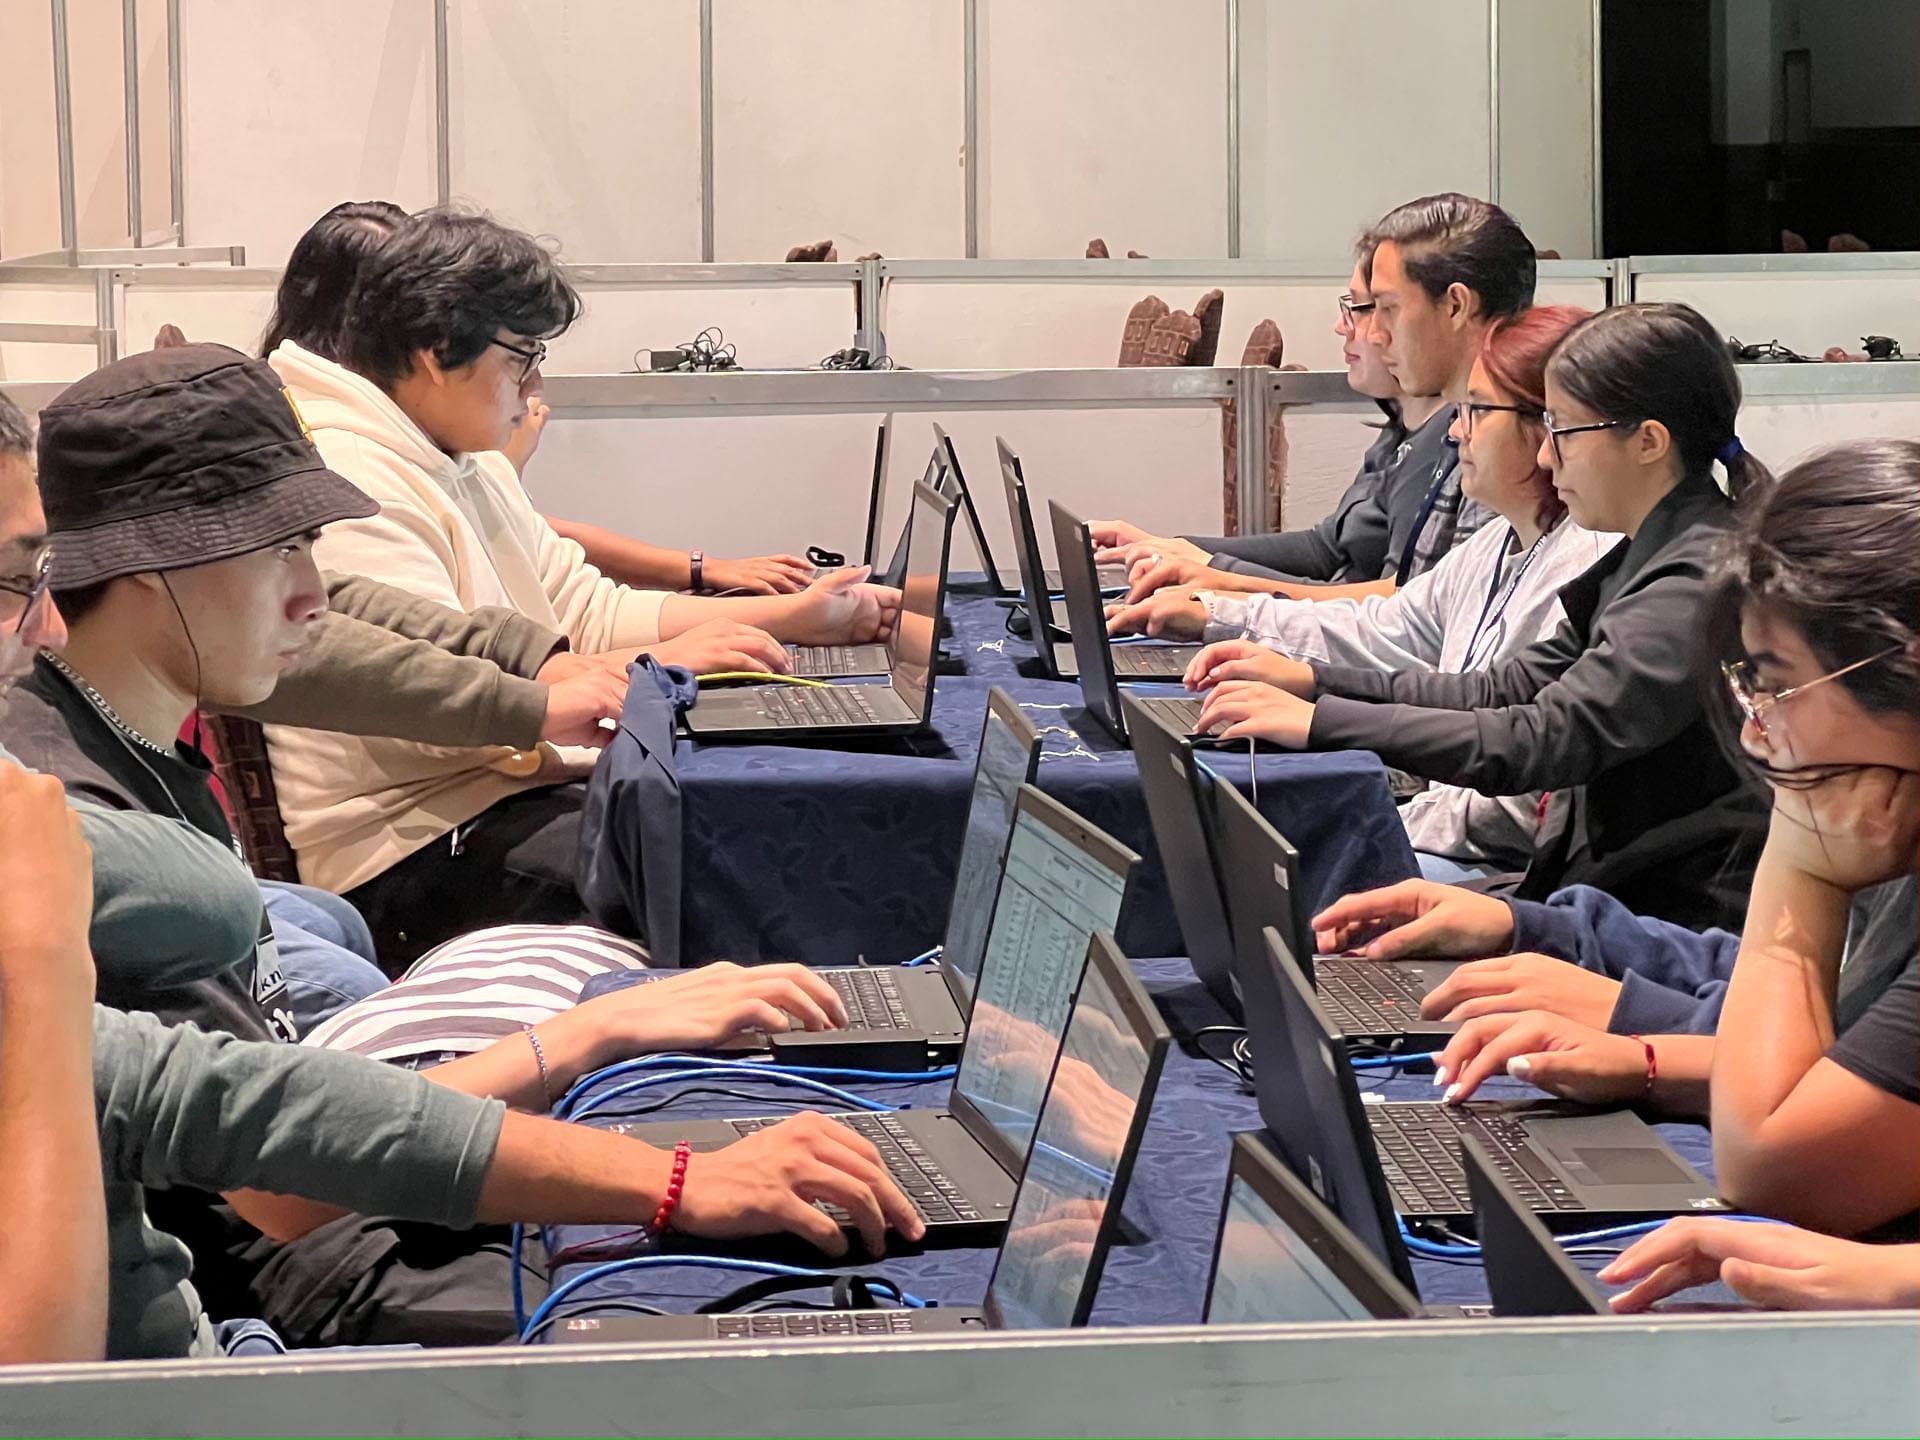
1606 714
1486 599
1818 614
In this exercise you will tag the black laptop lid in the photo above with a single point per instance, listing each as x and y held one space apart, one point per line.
1009 756
1311 1105
1084 1143
936 479
1527 1274
915 641
1086 618
877 494
1178 792
1259 880
1034 591
975 526
1284 1258
1064 880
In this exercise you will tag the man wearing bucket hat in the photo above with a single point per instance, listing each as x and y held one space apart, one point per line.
149 468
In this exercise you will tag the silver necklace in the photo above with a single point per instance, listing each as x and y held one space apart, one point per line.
99 702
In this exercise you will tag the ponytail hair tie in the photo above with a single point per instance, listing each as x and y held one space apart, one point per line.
1730 452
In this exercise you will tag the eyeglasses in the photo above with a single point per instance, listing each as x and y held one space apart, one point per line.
1350 308
1554 432
530 360
1755 700
31 588
1473 409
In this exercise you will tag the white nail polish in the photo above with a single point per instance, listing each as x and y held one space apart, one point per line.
1451 1094
1520 1068
1439 1076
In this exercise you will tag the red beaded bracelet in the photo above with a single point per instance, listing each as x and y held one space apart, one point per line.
1653 1062
671 1202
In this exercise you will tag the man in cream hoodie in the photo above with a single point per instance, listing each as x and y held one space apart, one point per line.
442 346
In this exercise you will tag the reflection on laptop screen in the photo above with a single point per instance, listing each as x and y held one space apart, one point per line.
1006 759
1048 1253
1266 1274
916 634
1053 896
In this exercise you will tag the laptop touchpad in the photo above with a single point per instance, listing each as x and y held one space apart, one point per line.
1620 1164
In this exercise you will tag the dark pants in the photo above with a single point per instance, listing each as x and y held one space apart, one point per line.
510 864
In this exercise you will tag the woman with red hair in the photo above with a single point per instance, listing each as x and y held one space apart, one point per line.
1486 600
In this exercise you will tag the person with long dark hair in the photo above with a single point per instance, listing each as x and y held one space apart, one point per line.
1606 715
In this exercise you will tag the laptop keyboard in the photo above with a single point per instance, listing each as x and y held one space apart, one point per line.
1368 998
872 998
827 660
1419 1147
1151 659
916 1173
784 1326
1184 715
804 706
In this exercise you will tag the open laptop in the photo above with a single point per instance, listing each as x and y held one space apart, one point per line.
821 662
1087 616
876 498
1072 1188
1064 881
1573 1166
1371 1002
1047 622
914 1018
1178 790
901 705
950 456
1527 1274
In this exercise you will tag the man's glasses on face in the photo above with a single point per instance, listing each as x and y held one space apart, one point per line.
530 359
32 589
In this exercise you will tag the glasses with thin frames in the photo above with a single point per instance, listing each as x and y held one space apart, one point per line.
1352 310
31 588
1472 410
1755 700
1554 432
530 360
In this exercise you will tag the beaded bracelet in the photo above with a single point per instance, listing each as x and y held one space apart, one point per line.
540 1058
662 1217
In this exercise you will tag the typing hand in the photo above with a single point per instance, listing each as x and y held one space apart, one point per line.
1778 1266
1155 546
715 647
1513 983
767 1183
704 1008
1170 615
759 574
841 609
1239 709
1153 573
1561 1056
1246 660
1415 917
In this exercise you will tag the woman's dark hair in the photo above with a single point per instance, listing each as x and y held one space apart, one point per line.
320 273
1515 354
1454 239
1660 362
1832 549
448 282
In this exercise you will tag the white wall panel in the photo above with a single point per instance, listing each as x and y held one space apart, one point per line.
45 305
1807 312
1103 117
1546 121
581 119
29 166
838 119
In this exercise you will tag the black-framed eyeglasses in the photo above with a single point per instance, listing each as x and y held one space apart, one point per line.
1471 411
1554 432
30 588
530 360
1350 308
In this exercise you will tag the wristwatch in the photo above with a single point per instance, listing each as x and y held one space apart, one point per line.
696 563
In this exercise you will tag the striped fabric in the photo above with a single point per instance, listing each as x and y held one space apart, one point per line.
474 990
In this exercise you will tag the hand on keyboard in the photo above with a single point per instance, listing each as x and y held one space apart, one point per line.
1416 918
766 1183
1513 983
715 647
1562 1057
702 1008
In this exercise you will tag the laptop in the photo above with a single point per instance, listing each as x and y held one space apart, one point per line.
1047 622
899 706
1064 880
1527 1274
1284 1258
1573 1166
1071 1191
915 1017
1371 1002
950 457
821 662
1178 790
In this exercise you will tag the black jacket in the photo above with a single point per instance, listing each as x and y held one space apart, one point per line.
1607 712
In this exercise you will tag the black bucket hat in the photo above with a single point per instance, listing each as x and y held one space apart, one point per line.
180 457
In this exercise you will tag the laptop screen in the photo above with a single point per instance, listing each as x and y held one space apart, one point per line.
1086 617
1260 875
1048 1262
1283 1258
1175 786
916 634
1063 881
937 479
877 494
1008 745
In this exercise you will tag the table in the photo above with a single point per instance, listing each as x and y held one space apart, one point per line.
821 854
1158 1272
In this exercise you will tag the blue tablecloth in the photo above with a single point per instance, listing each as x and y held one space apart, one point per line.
1158 1273
823 854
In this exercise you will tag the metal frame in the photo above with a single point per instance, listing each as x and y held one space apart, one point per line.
1845 264
176 123
63 131
707 152
1493 102
970 124
442 105
1599 148
1246 271
1784 1374
130 79
1234 212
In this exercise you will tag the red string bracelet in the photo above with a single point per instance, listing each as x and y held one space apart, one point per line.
671 1201
1653 1063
